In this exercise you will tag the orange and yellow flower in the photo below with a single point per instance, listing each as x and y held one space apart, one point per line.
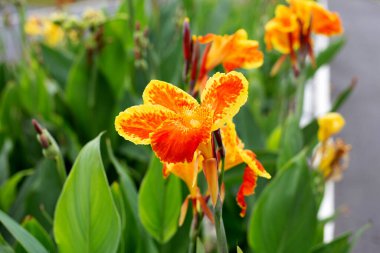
291 28
235 155
233 51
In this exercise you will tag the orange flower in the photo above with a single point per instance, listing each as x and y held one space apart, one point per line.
282 32
290 30
175 124
236 154
233 51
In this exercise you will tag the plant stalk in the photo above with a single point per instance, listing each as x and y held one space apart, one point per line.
194 232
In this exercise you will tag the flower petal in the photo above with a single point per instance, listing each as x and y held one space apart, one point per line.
325 22
169 96
225 94
232 145
136 123
247 188
330 124
188 172
176 140
250 159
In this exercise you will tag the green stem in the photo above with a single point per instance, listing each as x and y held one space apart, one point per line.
301 83
218 217
219 227
61 168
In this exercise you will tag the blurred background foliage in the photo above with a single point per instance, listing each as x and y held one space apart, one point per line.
76 87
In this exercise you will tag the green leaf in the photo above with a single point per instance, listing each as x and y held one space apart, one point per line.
38 232
291 141
135 238
159 202
4 246
339 245
325 56
30 244
85 212
285 216
8 190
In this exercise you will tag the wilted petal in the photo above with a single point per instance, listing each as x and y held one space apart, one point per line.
247 188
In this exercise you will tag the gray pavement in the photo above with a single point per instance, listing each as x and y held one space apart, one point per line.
360 189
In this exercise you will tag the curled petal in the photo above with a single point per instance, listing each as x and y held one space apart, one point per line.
138 122
232 145
247 188
250 159
225 94
169 96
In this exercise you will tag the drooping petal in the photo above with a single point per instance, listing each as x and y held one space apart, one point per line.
169 96
188 172
205 208
183 212
225 94
210 169
247 188
250 159
176 140
136 123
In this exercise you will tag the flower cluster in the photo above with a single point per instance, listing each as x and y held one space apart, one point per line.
291 29
333 154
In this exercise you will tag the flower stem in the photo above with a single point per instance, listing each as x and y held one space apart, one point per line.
218 217
301 83
219 227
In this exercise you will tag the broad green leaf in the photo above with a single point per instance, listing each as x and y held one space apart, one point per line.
273 142
159 202
134 236
85 212
38 232
285 216
8 190
291 141
326 56
30 244
5 150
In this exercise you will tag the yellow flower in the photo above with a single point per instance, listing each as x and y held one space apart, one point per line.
329 124
34 26
53 34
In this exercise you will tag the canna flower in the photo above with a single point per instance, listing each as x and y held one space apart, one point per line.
333 155
233 51
235 155
291 29
329 124
175 124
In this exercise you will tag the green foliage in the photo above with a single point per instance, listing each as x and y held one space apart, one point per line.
85 211
285 211
27 241
159 202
